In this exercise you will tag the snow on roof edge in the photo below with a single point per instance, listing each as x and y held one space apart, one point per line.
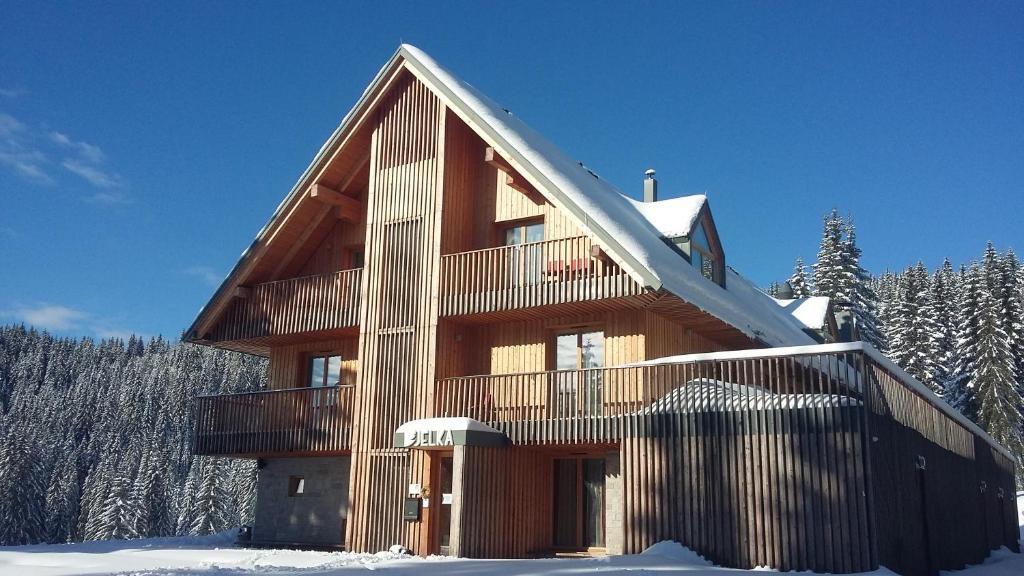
614 218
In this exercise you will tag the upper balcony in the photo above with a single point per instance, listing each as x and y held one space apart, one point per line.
275 422
529 275
275 311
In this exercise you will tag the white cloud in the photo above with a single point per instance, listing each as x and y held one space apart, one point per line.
88 151
10 125
50 317
92 174
206 274
27 152
55 318
28 163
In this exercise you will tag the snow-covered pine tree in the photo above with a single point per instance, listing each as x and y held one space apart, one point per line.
1012 299
773 290
830 272
862 300
119 516
995 389
206 499
22 486
912 332
798 281
943 299
959 389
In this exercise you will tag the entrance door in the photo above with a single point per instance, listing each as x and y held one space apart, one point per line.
579 393
444 509
579 503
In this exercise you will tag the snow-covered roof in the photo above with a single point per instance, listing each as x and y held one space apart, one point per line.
718 395
811 312
673 217
626 233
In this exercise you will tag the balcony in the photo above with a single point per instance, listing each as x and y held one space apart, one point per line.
279 422
529 275
327 302
846 384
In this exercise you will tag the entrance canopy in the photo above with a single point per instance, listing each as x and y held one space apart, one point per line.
441 433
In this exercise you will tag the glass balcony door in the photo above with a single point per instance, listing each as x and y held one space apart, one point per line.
579 503
524 260
579 392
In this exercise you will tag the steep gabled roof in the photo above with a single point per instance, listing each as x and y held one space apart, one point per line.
611 217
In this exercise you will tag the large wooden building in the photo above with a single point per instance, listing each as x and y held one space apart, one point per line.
478 347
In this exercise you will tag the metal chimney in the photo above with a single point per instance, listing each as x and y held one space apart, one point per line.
650 186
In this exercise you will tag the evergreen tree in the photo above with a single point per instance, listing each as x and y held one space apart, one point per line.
798 281
997 394
943 298
831 276
912 334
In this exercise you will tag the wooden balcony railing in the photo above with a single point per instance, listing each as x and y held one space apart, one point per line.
296 305
528 275
274 422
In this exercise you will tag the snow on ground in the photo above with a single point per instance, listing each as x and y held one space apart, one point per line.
216 556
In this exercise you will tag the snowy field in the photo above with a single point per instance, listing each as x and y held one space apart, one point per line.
216 556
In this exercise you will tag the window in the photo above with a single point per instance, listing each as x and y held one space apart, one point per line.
701 256
524 234
324 371
356 257
524 262
296 486
579 392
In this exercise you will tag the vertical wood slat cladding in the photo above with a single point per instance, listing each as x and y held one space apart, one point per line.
964 483
277 422
804 462
293 306
288 364
529 275
399 321
331 254
505 508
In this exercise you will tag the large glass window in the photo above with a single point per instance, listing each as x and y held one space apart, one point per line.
324 371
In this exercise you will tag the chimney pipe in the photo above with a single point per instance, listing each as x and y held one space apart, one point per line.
650 186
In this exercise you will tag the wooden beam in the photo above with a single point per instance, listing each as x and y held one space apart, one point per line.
348 208
512 178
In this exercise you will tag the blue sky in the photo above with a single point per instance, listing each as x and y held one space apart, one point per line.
143 145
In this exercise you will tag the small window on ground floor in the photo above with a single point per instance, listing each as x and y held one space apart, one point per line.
296 485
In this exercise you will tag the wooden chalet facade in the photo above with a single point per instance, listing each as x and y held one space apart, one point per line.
480 348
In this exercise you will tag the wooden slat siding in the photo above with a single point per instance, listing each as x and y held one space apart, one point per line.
294 306
529 275
505 509
811 488
280 422
949 522
399 320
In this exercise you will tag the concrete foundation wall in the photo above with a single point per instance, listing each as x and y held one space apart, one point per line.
316 516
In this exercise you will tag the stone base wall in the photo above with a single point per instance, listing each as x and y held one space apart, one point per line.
314 517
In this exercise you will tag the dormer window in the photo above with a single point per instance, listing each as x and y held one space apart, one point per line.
701 256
